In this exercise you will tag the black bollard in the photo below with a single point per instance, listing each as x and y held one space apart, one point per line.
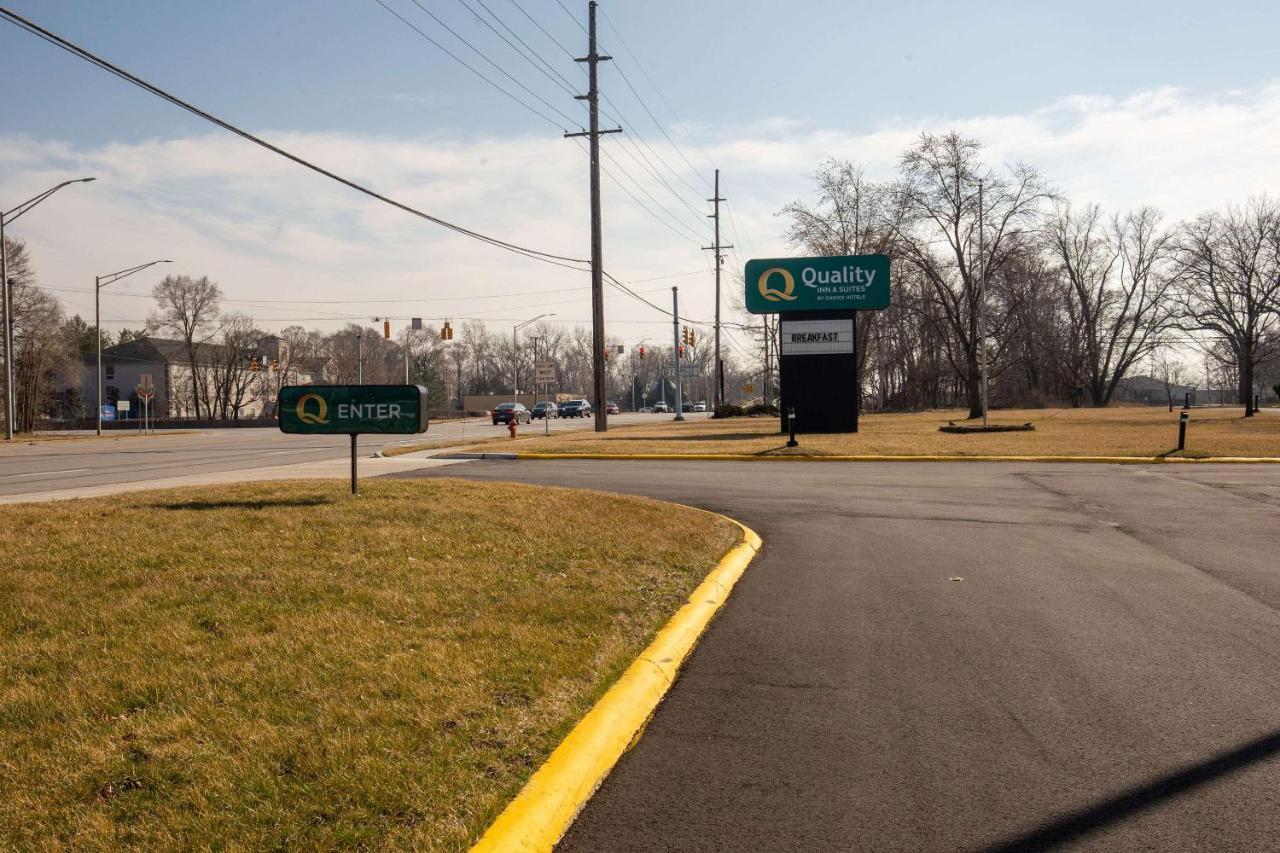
1182 431
791 421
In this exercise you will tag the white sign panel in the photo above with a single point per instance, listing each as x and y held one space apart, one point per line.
814 337
122 406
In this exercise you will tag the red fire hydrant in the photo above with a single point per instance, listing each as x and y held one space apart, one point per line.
511 427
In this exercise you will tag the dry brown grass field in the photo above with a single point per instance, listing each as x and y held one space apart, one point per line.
285 666
1058 432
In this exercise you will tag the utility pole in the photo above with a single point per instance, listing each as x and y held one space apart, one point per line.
675 347
719 363
982 300
593 59
359 358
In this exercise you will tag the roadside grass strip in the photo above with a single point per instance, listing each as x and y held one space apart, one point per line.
1096 435
283 665
548 804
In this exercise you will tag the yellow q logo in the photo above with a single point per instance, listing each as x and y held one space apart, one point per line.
321 414
789 285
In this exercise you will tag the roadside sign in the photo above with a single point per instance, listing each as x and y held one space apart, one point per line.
123 406
353 409
145 393
748 389
108 412
815 337
845 283
544 373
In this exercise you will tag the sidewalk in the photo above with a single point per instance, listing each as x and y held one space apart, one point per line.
369 466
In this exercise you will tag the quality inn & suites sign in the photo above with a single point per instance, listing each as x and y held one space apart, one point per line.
848 283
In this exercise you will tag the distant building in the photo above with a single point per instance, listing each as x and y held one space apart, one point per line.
224 377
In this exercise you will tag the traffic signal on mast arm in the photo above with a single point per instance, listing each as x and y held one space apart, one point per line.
682 350
693 341
446 332
642 353
275 365
386 329
253 365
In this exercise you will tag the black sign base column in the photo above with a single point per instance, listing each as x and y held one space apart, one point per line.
823 388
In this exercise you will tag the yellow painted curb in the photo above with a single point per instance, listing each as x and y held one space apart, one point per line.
543 810
743 457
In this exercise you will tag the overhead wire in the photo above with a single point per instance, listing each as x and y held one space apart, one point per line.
93 59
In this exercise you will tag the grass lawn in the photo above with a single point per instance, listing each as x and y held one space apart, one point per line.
283 665
1071 432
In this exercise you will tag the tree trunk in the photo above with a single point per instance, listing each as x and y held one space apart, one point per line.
1246 385
974 383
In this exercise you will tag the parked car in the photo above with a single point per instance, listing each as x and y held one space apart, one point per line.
699 407
611 409
686 406
661 408
575 409
505 412
545 409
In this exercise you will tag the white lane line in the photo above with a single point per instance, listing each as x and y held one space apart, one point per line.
45 473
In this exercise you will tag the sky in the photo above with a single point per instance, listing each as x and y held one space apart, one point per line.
1119 103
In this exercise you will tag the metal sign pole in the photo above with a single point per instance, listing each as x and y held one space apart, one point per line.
353 464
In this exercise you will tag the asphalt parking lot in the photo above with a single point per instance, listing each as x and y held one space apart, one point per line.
964 656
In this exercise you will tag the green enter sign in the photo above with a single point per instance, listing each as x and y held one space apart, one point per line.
353 409
846 283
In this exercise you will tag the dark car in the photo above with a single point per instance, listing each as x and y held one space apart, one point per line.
611 409
686 406
546 409
505 412
575 409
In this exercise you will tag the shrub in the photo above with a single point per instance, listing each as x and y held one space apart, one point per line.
728 410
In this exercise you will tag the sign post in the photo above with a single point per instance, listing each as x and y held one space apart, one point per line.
817 300
353 410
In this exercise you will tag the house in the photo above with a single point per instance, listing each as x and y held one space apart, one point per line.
228 382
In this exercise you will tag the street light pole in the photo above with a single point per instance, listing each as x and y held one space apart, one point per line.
98 284
6 297
515 356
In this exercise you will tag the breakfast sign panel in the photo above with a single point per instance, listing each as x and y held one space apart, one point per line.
845 283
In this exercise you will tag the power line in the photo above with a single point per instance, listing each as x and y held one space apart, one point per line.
482 55
645 106
539 63
534 21
81 53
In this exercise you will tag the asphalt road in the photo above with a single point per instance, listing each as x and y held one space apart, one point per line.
964 656
124 457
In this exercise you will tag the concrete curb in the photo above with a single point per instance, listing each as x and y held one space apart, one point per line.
742 457
547 805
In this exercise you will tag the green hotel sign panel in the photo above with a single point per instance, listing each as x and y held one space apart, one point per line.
353 409
847 283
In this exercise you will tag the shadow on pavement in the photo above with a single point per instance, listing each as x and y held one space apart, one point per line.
1075 825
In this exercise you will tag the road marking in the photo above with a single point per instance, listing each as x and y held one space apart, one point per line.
45 473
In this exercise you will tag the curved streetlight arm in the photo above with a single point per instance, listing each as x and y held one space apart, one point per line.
11 215
520 326
112 278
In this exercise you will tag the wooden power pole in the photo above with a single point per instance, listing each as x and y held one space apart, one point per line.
593 59
719 363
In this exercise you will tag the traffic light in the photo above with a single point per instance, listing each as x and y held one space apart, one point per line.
684 335
606 353
275 365
253 365
692 339
682 350
642 353
446 332
386 329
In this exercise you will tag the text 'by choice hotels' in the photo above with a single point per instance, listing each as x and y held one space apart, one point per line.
848 283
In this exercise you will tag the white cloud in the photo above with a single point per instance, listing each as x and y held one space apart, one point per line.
268 229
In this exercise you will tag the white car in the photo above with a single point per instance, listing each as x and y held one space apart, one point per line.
699 407
661 408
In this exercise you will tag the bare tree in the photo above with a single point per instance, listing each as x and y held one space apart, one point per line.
1228 284
1117 292
233 383
1170 372
188 308
934 223
45 347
